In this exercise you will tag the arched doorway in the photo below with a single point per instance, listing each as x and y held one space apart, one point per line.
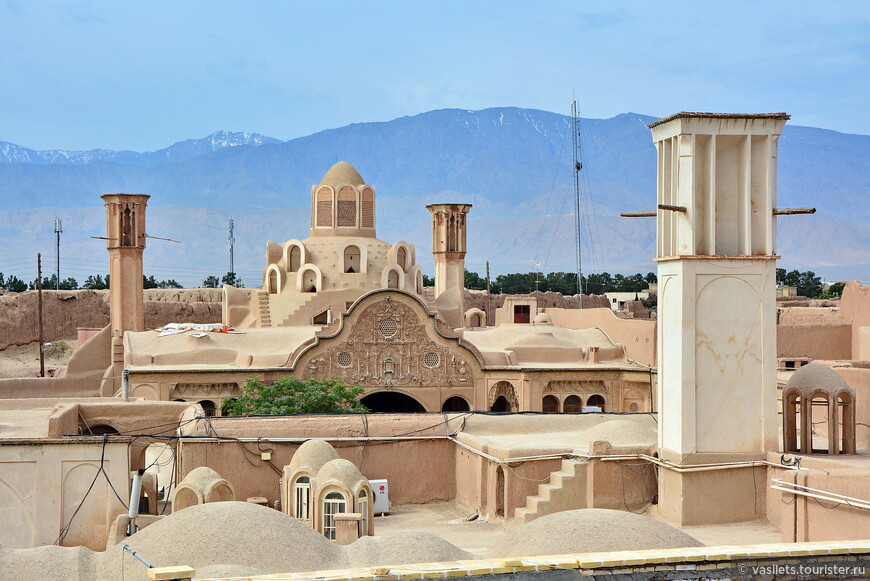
550 404
573 404
392 402
309 281
503 397
499 491
208 407
455 404
500 404
596 400
101 430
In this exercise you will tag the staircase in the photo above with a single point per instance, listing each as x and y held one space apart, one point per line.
263 309
301 300
429 297
566 490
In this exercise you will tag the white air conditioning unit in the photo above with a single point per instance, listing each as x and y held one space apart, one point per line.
381 490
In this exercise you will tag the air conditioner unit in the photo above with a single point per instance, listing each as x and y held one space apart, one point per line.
381 490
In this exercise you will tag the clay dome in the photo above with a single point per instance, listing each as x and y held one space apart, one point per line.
342 174
342 471
814 377
591 530
312 455
543 319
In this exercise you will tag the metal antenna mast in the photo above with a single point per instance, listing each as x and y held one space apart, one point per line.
58 229
575 134
232 241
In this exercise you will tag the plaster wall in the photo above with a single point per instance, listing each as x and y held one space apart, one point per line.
806 519
638 337
820 341
855 307
42 483
716 360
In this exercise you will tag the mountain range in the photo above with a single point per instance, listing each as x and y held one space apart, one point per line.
514 165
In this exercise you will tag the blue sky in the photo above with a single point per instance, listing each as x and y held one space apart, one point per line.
142 75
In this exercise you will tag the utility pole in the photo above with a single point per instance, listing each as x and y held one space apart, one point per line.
58 229
41 338
578 166
232 242
488 293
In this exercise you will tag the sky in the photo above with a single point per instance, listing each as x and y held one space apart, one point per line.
143 75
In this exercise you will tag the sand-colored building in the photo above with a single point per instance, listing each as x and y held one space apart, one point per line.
342 304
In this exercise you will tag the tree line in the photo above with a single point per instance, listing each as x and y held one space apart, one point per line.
564 283
806 283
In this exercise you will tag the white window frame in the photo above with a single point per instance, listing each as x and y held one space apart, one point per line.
302 498
332 507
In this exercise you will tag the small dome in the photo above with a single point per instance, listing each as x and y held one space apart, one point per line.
312 455
543 319
342 174
815 377
341 471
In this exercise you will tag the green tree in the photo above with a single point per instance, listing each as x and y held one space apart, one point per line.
15 284
149 282
212 282
472 281
171 283
96 282
836 289
809 285
291 396
232 279
428 281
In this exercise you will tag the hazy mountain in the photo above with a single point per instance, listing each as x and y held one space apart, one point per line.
513 164
181 151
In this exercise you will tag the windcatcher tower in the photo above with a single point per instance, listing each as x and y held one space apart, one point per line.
449 245
125 241
716 254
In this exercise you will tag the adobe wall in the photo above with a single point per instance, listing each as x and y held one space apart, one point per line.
814 332
42 483
475 299
855 307
418 470
807 519
65 311
637 336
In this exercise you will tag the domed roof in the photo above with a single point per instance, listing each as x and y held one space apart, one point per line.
342 174
341 470
590 530
816 377
312 455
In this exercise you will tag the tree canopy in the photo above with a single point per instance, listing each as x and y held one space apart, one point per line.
291 395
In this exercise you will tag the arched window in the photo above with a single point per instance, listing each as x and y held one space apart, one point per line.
273 281
573 404
295 259
309 282
550 404
347 206
389 365
208 408
302 494
596 400
367 207
352 259
401 257
455 404
393 279
362 507
333 504
324 207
